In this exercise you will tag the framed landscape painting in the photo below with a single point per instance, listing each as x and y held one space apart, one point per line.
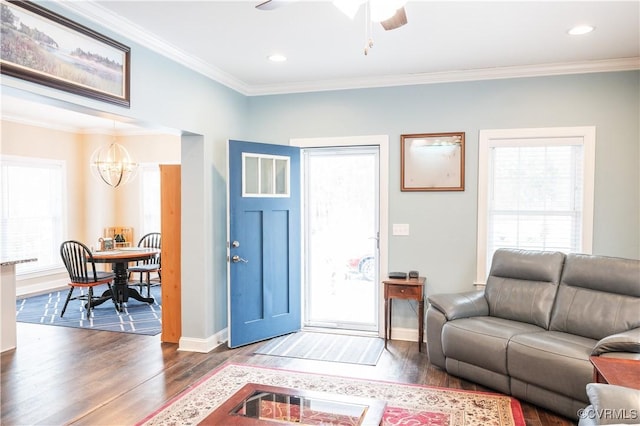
432 162
46 48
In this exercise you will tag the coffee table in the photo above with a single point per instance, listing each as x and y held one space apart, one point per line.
256 404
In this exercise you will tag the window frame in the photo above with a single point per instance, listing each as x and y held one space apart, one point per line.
512 137
144 226
273 176
32 270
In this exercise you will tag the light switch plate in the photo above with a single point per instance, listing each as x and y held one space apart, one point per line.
400 229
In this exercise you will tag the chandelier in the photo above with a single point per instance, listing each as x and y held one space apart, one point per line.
113 165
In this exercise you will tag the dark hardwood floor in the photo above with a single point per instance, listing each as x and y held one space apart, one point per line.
60 375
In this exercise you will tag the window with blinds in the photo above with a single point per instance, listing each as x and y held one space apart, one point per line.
33 211
535 192
535 198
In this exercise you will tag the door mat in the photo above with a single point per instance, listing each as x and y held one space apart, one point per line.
136 317
325 347
406 404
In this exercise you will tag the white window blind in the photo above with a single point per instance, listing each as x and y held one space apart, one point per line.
535 191
33 212
535 200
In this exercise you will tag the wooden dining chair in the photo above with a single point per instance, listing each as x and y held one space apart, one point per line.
148 266
78 260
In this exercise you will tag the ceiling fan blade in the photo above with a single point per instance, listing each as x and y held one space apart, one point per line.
273 4
396 21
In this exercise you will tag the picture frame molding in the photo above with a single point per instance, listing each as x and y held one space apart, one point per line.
407 168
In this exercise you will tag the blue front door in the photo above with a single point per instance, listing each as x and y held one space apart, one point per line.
264 241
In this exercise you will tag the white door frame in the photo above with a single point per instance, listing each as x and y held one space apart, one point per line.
382 141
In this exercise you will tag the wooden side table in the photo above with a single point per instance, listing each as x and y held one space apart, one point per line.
408 289
616 371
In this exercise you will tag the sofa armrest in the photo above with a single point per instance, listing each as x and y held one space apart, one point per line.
460 305
610 404
627 341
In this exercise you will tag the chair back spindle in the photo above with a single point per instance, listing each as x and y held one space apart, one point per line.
81 267
152 264
151 240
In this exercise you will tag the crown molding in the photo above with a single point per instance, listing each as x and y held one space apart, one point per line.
99 14
48 124
613 65
38 123
94 12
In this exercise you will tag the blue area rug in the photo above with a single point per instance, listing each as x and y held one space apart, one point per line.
136 317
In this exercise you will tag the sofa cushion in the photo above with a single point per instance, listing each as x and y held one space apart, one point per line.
552 360
594 314
522 285
598 296
613 404
482 341
610 274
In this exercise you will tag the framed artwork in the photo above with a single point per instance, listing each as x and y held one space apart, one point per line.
46 48
432 162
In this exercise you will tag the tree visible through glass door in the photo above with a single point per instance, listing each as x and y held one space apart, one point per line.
342 224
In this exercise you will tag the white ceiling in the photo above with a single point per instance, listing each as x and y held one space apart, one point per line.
443 41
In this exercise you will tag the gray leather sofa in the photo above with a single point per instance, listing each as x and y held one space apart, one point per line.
531 331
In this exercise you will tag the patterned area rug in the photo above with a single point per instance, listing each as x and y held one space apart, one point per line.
137 317
406 404
325 347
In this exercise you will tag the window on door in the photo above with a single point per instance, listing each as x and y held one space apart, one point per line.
265 175
535 191
33 211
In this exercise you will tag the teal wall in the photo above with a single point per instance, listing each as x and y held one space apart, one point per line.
442 242
443 225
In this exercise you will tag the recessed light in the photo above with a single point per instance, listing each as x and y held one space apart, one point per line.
277 58
581 29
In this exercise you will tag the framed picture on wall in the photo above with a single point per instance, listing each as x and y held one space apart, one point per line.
432 162
46 48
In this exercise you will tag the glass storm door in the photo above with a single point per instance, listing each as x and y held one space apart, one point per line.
341 237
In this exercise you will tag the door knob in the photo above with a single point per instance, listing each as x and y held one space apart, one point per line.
236 259
235 244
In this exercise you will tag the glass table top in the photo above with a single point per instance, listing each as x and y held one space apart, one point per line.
286 408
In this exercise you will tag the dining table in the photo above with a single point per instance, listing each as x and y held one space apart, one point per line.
120 259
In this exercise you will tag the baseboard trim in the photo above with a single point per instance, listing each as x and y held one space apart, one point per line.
191 344
41 288
406 334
